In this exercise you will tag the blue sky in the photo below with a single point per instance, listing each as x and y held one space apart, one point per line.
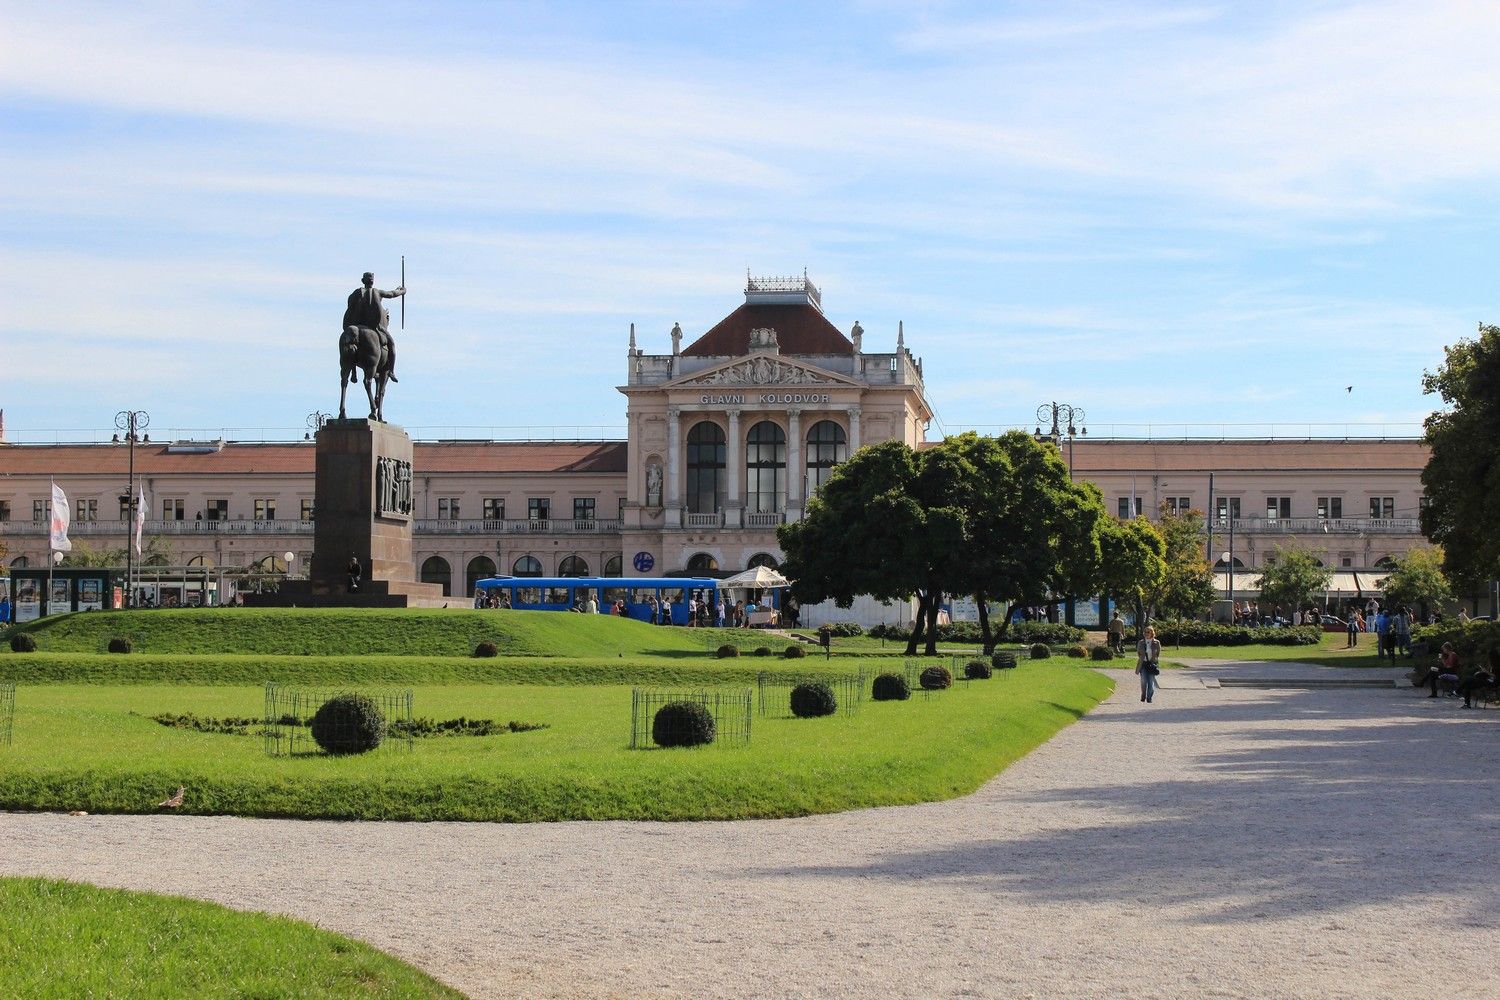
1167 214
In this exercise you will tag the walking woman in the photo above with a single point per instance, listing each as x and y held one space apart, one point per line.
1148 662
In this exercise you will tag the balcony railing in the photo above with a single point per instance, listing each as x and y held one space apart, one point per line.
1321 525
713 520
487 526
764 520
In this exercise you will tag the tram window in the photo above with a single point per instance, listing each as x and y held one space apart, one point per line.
528 595
558 595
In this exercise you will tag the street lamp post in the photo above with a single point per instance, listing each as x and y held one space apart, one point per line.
1229 561
133 423
1059 414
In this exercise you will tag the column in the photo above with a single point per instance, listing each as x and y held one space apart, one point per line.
853 429
674 461
734 503
794 471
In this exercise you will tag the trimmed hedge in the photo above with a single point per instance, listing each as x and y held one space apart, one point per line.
1004 661
683 724
890 687
968 632
348 723
935 678
978 670
23 642
119 644
762 650
1078 652
793 652
1472 641
1186 633
1101 653
1040 651
727 651
486 649
846 630
813 699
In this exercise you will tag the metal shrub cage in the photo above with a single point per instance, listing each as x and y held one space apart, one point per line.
290 710
774 691
7 710
730 710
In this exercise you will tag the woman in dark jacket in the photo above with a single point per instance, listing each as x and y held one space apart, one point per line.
1148 662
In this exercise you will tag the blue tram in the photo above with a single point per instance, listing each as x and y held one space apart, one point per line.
569 593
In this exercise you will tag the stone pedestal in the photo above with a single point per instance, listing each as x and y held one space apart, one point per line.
362 508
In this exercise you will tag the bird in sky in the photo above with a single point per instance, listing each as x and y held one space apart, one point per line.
1348 388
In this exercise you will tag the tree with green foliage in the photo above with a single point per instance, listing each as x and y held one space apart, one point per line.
1418 580
881 525
1462 476
155 551
1031 534
1187 587
1133 564
1292 578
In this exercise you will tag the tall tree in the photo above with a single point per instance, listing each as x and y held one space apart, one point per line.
1293 579
1133 564
878 526
1187 585
1418 580
1462 477
1031 535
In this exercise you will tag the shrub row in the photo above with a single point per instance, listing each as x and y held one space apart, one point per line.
1189 633
1052 633
845 629
1473 640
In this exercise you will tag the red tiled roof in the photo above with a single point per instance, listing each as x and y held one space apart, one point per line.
298 458
800 329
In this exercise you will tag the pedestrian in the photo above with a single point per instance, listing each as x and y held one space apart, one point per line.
355 572
1117 633
1352 628
1148 662
1403 633
666 610
719 612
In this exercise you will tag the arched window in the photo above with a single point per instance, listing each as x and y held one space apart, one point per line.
827 446
702 563
762 559
612 566
270 564
765 469
1222 565
157 559
1385 562
480 567
19 562
573 566
435 569
203 562
527 566
705 468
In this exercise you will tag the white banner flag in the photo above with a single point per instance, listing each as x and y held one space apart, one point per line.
140 517
60 520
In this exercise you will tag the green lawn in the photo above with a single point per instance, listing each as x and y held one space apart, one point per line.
78 746
63 940
1330 652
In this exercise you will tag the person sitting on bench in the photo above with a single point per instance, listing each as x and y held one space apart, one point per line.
1445 670
1483 677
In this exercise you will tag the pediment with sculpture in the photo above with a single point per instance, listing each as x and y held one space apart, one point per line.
764 370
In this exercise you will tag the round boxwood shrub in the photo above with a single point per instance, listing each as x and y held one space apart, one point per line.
794 652
348 723
978 670
683 724
1040 651
1101 653
727 651
890 687
762 650
935 678
486 648
1078 652
22 642
119 644
813 699
1003 661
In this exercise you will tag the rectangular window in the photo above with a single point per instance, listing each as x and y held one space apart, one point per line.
39 511
494 508
172 509
265 509
621 513
1177 505
1382 506
538 509
583 508
1123 508
124 507
1346 560
306 513
4 510
1278 507
216 510
1227 507
448 508
1330 507
86 510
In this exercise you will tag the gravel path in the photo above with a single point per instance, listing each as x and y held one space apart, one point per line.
1223 843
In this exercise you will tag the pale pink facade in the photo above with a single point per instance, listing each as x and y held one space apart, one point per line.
727 437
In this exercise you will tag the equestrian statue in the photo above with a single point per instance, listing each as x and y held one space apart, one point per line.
367 344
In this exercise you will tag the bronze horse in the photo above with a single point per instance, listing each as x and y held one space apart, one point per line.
363 348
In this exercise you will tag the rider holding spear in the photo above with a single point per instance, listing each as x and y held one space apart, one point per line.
365 310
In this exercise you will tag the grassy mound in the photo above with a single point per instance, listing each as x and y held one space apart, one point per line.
60 938
356 632
97 748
